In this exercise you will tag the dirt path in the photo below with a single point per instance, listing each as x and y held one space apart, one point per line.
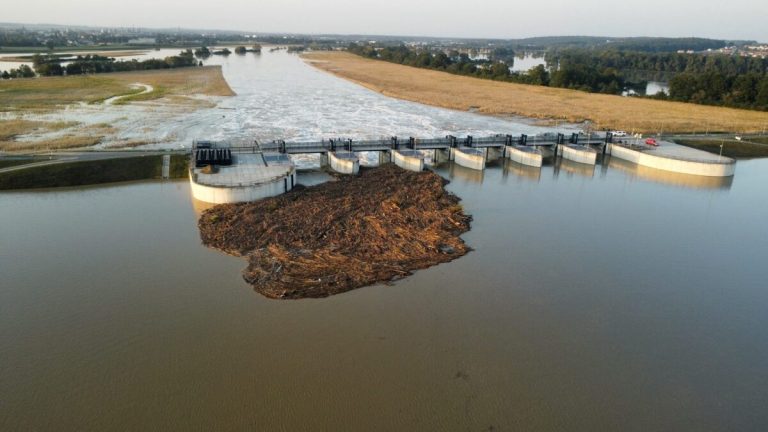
147 89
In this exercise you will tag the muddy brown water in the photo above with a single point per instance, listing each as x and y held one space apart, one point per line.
608 300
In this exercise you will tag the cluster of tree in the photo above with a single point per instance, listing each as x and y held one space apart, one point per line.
667 63
203 52
568 74
314 46
644 44
296 48
649 44
748 90
503 54
91 64
23 71
242 49
712 79
704 79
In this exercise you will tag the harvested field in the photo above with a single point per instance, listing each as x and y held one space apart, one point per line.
341 235
501 98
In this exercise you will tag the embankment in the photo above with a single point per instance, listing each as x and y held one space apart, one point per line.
501 98
91 172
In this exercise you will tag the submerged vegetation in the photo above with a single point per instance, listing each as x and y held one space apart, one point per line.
53 92
341 235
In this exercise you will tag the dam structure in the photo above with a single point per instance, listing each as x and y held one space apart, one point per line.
221 172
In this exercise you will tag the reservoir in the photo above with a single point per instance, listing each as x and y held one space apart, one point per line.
599 298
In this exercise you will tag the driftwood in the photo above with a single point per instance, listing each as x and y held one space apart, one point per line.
337 236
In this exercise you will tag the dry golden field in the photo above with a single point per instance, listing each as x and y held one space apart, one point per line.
500 98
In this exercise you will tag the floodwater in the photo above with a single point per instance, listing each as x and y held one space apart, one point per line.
527 60
279 96
595 299
656 87
605 298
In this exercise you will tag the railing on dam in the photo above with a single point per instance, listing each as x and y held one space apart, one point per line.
396 143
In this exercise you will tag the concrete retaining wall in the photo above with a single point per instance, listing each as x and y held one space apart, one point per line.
469 158
530 158
441 156
409 162
349 164
711 169
493 153
224 195
580 154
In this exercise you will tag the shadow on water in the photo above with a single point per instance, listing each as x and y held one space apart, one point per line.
521 171
570 168
467 174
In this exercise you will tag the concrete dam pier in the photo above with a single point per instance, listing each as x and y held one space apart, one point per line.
225 173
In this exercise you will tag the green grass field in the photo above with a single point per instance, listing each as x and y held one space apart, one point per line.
6 163
731 148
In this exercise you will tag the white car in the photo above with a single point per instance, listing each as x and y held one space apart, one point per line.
619 133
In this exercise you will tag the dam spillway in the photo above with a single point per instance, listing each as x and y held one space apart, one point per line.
224 173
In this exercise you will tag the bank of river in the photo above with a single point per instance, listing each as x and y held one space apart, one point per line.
459 92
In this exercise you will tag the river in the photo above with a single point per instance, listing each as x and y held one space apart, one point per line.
613 298
279 96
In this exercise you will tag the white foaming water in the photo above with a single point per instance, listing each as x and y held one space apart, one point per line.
279 96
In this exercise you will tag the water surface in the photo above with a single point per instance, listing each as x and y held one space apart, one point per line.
601 300
597 298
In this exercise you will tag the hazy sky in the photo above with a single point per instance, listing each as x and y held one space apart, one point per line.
733 19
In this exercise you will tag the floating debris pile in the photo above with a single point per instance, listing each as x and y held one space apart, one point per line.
337 236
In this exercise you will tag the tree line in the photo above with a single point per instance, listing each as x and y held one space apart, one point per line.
645 44
498 67
91 64
712 79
